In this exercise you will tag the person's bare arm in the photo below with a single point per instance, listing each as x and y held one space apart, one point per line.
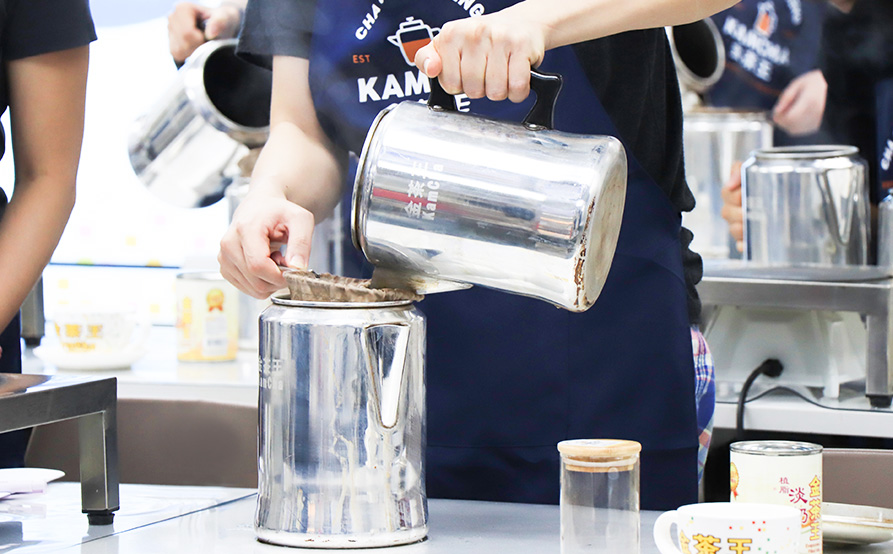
46 98
297 181
492 55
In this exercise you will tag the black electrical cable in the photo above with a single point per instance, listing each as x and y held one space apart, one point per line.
771 368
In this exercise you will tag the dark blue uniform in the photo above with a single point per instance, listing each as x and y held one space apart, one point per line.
768 44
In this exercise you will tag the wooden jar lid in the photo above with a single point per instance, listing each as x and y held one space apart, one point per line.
598 455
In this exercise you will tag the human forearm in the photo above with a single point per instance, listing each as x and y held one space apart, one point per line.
492 55
29 232
46 102
300 168
295 183
31 228
572 21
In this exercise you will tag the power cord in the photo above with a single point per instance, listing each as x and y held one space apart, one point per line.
770 368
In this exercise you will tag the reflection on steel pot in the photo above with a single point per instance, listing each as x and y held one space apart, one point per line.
714 139
454 197
186 148
806 205
342 425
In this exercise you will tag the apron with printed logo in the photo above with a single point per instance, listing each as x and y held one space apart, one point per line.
509 377
768 43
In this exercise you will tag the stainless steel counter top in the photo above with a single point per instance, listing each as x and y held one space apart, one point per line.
157 519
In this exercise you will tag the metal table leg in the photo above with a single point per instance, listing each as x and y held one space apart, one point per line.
31 400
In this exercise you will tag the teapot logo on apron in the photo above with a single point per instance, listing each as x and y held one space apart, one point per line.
767 19
412 35
752 47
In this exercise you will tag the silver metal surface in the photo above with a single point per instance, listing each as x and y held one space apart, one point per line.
714 140
209 519
457 197
806 205
342 425
699 54
185 150
30 400
885 232
872 300
33 316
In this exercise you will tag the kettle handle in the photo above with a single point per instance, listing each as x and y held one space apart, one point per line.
541 115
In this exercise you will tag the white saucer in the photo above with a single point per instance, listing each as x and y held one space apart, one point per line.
851 524
26 479
89 361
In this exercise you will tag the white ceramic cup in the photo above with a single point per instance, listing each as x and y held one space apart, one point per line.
99 330
729 527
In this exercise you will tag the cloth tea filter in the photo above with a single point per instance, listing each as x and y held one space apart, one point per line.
307 285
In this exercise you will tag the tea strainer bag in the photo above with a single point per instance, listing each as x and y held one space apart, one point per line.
309 286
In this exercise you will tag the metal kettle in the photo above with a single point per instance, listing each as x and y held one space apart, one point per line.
806 205
342 424
444 200
185 149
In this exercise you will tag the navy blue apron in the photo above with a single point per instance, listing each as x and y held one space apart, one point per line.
768 43
884 107
12 445
509 377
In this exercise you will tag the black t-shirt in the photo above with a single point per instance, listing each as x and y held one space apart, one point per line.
632 73
32 27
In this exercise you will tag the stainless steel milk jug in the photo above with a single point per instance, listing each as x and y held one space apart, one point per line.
342 425
714 139
186 147
806 205
447 196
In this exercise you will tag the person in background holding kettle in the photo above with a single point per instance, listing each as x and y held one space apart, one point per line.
44 86
857 58
772 58
508 377
191 25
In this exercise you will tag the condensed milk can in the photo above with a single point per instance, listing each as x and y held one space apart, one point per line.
782 472
207 317
341 433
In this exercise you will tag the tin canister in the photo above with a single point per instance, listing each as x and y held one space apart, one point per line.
207 318
782 472
341 424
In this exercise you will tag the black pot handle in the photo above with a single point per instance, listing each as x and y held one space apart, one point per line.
541 115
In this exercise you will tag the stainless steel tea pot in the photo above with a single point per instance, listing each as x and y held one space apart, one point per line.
806 205
342 424
444 200
186 147
714 139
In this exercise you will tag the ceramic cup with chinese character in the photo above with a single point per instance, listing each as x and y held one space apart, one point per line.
94 330
728 527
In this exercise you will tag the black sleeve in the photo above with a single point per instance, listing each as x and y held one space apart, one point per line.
35 27
276 28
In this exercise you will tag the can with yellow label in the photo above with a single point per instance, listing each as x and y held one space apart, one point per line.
207 317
